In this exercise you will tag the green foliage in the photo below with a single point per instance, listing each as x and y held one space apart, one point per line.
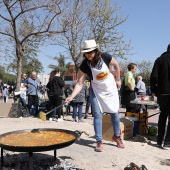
2 72
6 77
145 68
64 68
32 64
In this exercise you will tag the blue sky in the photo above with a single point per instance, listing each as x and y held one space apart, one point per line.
147 26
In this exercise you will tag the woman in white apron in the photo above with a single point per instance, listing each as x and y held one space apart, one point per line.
103 93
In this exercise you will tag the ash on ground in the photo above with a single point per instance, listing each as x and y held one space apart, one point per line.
20 161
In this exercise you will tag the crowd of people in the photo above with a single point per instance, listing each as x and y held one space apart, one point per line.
100 92
133 88
32 92
159 87
6 91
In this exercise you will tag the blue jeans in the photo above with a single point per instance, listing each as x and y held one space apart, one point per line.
88 104
78 105
98 115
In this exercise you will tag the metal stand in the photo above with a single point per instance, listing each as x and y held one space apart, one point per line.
30 161
2 159
55 154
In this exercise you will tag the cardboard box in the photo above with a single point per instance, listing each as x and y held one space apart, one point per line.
126 128
143 129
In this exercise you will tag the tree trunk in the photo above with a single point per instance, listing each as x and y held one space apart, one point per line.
19 54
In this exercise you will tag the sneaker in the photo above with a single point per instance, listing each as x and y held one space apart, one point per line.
119 142
157 109
74 120
50 119
86 116
54 119
166 145
80 121
99 147
60 120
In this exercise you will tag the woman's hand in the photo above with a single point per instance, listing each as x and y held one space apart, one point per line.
132 89
68 99
118 84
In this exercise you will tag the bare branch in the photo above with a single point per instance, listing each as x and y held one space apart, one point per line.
28 10
3 33
6 19
13 4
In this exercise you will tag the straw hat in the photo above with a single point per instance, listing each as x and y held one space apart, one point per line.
89 45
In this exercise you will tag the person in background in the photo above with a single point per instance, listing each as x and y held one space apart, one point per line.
148 91
103 91
77 102
55 86
160 86
140 88
5 94
88 99
41 91
67 106
129 93
23 77
23 93
66 92
32 85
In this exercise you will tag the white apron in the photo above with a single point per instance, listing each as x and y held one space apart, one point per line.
105 89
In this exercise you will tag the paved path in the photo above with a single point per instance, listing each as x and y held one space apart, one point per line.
5 108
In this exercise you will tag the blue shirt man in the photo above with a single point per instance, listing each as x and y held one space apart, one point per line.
32 84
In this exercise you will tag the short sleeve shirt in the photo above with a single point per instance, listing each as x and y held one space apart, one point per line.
129 75
86 69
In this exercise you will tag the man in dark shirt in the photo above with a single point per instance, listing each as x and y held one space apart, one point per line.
160 86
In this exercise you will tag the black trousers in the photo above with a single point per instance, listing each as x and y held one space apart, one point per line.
4 99
164 103
126 97
55 101
33 100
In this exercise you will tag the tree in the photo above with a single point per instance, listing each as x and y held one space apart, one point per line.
6 77
74 15
64 68
13 16
104 18
123 65
96 19
30 63
145 68
2 72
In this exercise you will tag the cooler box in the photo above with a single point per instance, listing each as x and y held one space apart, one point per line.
136 125
126 128
142 128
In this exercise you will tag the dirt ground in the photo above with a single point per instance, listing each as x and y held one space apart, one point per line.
82 153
